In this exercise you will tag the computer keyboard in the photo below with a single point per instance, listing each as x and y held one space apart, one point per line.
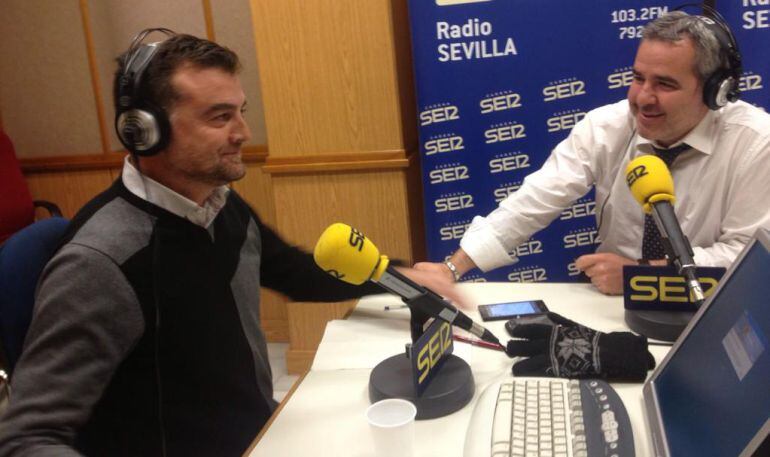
549 417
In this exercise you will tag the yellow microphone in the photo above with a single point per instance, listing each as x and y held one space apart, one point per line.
345 253
652 186
650 181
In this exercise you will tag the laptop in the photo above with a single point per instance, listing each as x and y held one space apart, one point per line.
711 395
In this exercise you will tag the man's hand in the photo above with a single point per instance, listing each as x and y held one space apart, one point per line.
438 278
437 268
605 270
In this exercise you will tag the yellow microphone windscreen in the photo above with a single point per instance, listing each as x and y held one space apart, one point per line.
650 181
345 253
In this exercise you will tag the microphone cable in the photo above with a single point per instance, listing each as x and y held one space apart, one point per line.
609 194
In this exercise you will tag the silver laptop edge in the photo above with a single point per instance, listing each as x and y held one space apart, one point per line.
652 410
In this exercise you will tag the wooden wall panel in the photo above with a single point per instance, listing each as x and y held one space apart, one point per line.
339 112
45 84
375 202
70 190
328 76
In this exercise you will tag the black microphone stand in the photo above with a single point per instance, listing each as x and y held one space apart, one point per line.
452 386
668 325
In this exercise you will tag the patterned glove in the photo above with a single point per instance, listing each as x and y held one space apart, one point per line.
567 349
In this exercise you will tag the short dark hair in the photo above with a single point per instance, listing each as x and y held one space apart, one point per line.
179 50
675 26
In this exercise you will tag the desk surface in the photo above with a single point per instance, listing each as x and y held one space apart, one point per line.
325 414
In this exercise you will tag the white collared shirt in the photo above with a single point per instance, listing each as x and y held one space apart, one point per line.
720 185
156 193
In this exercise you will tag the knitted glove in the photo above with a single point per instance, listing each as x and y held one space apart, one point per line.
570 350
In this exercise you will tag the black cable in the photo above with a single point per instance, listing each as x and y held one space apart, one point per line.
609 194
155 271
659 343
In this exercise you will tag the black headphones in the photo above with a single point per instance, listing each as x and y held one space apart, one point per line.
721 86
143 128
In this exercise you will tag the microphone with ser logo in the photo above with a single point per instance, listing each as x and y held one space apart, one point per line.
348 255
652 186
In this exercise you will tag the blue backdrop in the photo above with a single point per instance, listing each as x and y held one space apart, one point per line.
501 82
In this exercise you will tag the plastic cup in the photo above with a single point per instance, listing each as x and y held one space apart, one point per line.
391 423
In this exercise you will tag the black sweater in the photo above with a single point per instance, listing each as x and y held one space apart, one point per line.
146 330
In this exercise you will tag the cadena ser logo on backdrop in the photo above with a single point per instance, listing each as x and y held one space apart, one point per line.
564 120
450 172
458 2
532 274
441 112
509 162
565 88
506 131
621 77
502 192
444 143
581 208
749 82
453 230
453 202
500 101
580 238
528 248
572 270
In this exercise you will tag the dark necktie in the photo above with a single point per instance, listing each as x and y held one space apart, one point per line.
652 245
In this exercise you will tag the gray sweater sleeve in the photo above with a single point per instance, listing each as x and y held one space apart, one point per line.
87 318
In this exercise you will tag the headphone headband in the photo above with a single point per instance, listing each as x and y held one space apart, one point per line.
722 86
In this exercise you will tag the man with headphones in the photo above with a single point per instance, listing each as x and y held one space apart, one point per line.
683 98
146 337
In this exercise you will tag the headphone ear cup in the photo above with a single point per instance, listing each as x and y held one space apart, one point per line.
144 132
719 89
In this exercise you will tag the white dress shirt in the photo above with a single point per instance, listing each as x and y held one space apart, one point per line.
156 193
721 187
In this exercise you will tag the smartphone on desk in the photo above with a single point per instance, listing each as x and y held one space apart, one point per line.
511 309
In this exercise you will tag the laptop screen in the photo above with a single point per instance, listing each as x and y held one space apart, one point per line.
713 394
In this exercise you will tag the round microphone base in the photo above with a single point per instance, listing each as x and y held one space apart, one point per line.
451 388
659 325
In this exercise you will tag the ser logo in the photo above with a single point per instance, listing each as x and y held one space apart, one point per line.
453 203
564 121
474 278
667 288
500 103
528 275
574 240
529 248
454 232
578 210
449 174
429 355
356 239
446 144
620 79
750 82
510 163
505 133
636 173
572 269
564 90
441 114
503 192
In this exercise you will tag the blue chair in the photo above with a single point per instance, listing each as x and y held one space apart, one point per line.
22 258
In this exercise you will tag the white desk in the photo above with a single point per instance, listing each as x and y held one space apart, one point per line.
325 415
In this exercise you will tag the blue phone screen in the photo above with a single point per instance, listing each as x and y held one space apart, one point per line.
512 308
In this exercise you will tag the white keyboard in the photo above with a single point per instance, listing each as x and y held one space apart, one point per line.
549 417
